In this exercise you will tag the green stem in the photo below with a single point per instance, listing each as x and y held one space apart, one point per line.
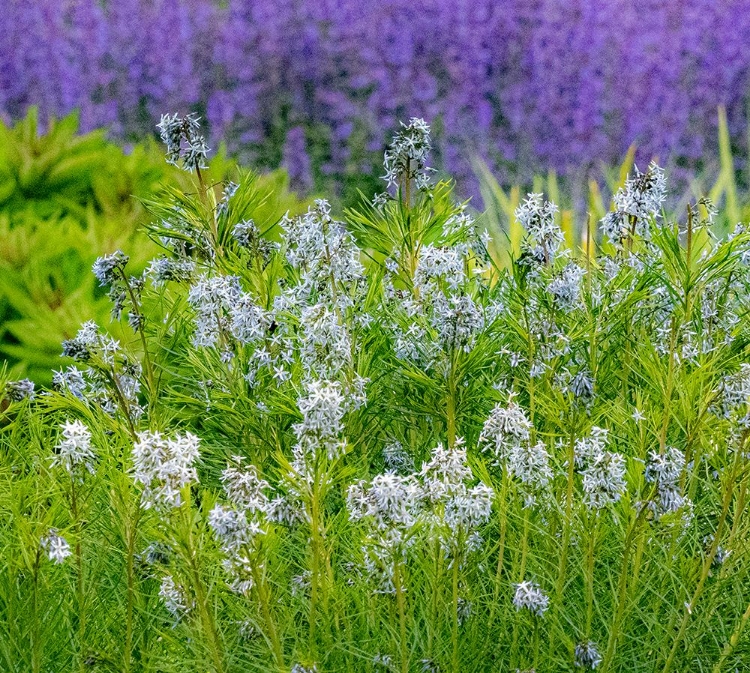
706 569
521 574
614 631
435 597
454 635
209 625
146 357
401 605
590 577
451 410
567 523
80 593
131 540
36 639
733 640
261 588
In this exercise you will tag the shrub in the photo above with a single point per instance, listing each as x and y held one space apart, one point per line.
363 445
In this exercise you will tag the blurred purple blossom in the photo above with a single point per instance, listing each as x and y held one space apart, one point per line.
525 84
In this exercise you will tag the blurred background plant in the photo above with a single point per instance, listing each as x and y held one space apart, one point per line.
319 87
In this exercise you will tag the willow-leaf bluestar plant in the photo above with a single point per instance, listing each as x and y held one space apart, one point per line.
180 135
430 451
164 466
74 452
529 596
56 546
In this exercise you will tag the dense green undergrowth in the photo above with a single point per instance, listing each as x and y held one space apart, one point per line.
366 445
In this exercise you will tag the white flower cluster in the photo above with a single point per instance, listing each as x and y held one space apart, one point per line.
665 470
248 236
441 316
506 427
438 499
94 387
105 267
440 265
506 434
18 391
212 297
529 596
175 598
319 438
56 546
638 201
89 342
603 471
457 321
615 225
325 345
74 452
529 464
323 408
643 194
397 459
390 502
164 467
406 156
734 392
299 668
325 256
453 503
180 135
238 525
587 655
566 288
223 310
544 237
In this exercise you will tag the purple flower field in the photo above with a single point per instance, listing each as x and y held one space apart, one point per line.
320 85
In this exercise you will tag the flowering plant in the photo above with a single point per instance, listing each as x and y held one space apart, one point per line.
363 444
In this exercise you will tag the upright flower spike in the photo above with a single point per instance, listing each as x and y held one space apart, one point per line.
587 655
665 471
603 471
529 464
566 287
506 428
323 408
105 267
18 391
637 202
405 159
544 238
643 194
180 135
175 598
74 452
238 525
